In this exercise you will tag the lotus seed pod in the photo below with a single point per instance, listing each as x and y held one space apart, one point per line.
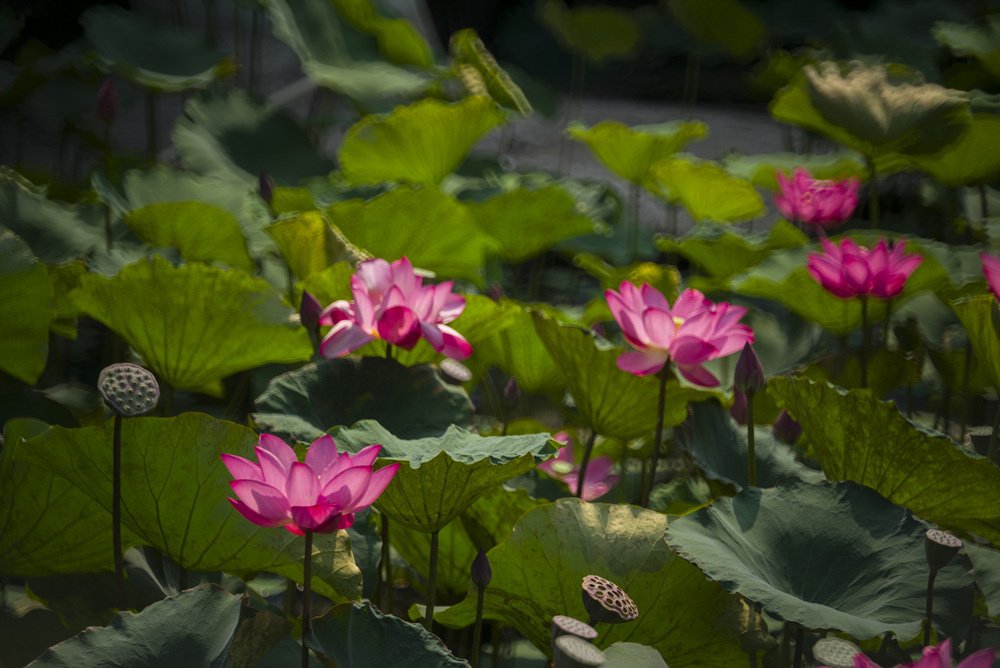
940 548
563 625
835 652
128 389
455 370
575 652
606 602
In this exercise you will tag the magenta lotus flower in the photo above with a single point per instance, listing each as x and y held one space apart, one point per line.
814 201
597 481
391 303
937 657
321 495
848 270
691 332
991 269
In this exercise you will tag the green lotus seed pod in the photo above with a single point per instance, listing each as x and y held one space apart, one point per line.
607 602
128 389
575 652
835 652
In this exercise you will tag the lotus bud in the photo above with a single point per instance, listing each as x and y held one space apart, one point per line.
940 548
265 185
481 571
563 625
511 392
738 411
607 602
749 377
107 102
835 652
128 389
309 311
574 652
786 429
495 292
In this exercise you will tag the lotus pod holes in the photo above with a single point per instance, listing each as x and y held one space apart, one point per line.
575 652
607 602
941 547
128 389
835 652
564 625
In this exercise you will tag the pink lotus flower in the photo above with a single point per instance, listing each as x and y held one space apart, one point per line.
391 303
319 495
691 332
937 657
849 270
991 269
815 201
597 481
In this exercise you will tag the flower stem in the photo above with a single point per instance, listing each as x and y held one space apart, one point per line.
873 207
799 642
929 607
751 444
477 634
431 582
116 510
582 475
647 489
386 566
151 129
307 596
865 342
994 436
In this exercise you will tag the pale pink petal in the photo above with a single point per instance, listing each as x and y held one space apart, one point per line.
653 297
262 499
688 350
364 305
660 328
242 469
981 659
375 275
344 338
453 307
642 362
322 455
346 486
379 481
337 311
629 320
303 486
689 303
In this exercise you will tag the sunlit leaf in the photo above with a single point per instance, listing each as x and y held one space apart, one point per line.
455 555
467 50
761 169
28 309
979 316
726 251
309 245
982 43
398 39
518 351
706 190
629 152
969 161
596 32
726 23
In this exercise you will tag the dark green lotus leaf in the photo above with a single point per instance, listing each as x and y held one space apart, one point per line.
706 190
632 655
726 23
981 43
857 437
398 39
761 169
309 245
441 476
201 232
455 555
959 269
193 628
492 517
969 161
194 325
613 402
27 628
337 57
519 352
829 556
227 135
630 152
360 635
162 184
29 309
419 143
979 316
719 447
468 51
725 251
596 32
537 572
867 110
527 222
150 52
174 489
65 278
410 401
986 565
399 223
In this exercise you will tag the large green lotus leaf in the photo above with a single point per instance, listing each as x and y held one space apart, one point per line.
194 325
193 628
359 635
706 190
201 232
519 352
829 556
227 135
309 245
455 555
981 43
629 152
632 655
332 283
979 316
430 228
174 489
537 573
866 110
150 52
29 309
492 517
722 251
410 401
162 184
337 57
761 169
418 143
971 160
726 23
441 476
958 270
527 222
719 447
27 628
468 51
613 402
597 32
986 565
398 40
857 437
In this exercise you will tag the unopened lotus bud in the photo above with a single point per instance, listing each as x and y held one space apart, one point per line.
786 429
265 185
107 102
940 548
511 392
835 652
563 625
738 411
309 311
575 652
128 389
481 571
495 292
607 602
749 376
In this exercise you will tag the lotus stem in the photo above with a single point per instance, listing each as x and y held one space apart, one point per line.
873 207
994 436
386 565
984 207
865 341
477 633
800 633
929 607
751 445
431 582
307 595
647 489
496 640
116 510
966 371
582 475
151 133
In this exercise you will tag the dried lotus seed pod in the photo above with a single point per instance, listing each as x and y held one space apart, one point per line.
563 625
574 652
835 652
606 602
940 548
128 389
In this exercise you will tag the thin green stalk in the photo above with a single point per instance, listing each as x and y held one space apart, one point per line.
657 437
994 436
477 634
116 510
582 475
929 607
966 372
799 646
751 444
431 583
387 587
865 341
495 642
873 205
307 597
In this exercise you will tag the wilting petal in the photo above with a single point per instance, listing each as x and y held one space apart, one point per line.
262 499
242 469
642 362
344 338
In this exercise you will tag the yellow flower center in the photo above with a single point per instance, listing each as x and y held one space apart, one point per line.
678 321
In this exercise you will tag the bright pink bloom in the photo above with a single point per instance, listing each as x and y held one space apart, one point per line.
814 201
691 332
849 270
597 481
391 303
937 657
991 269
320 495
